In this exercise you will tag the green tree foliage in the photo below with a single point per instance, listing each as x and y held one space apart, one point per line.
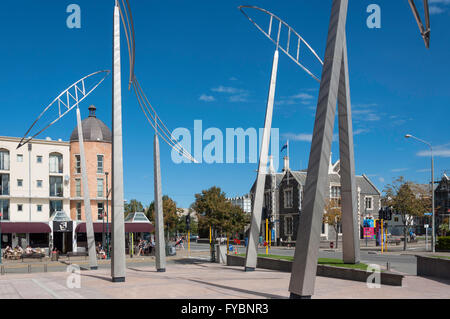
333 216
133 206
213 209
169 212
409 200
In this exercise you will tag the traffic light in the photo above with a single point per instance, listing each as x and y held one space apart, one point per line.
388 213
381 214
265 214
188 221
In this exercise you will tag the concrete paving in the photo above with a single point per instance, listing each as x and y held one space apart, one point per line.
198 279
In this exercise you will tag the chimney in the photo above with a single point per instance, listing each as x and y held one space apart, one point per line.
286 163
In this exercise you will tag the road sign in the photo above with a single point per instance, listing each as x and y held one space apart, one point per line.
428 214
426 225
368 232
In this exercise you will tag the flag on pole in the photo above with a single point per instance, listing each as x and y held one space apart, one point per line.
285 146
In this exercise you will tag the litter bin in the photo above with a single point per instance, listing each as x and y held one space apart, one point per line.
170 250
55 256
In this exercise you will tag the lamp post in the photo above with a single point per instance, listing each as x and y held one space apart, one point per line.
107 217
433 231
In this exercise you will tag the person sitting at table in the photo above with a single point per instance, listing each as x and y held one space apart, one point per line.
29 250
19 249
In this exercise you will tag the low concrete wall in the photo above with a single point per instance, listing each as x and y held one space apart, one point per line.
322 270
433 267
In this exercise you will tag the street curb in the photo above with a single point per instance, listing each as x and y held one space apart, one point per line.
386 278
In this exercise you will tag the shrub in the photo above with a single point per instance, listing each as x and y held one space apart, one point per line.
443 243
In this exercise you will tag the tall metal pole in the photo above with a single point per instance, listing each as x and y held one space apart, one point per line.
1 221
304 267
87 201
160 253
118 264
107 217
433 237
255 226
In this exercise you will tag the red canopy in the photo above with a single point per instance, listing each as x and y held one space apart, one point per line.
24 228
129 228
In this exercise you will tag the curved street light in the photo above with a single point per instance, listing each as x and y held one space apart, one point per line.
432 189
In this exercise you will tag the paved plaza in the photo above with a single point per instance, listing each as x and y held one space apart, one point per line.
197 279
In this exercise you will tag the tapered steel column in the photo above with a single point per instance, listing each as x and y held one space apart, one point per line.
252 247
160 253
117 217
304 268
350 227
87 201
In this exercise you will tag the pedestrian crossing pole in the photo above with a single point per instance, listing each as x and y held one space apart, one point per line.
382 236
189 242
267 235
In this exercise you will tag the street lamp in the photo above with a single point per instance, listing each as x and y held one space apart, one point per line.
433 232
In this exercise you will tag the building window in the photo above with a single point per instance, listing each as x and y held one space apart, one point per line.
19 182
39 208
99 187
100 164
56 186
55 206
77 164
4 160
77 187
19 207
78 210
289 223
368 202
39 159
39 183
4 184
56 163
288 200
100 210
19 158
4 209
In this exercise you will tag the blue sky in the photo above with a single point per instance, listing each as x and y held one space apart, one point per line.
203 60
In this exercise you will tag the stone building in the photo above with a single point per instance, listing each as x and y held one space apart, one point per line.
284 193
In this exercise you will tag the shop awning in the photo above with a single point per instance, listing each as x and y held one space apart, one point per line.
24 228
129 228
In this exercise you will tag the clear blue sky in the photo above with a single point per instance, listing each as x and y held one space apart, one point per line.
186 49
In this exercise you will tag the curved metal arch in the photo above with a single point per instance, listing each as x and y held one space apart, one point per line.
148 110
291 34
66 101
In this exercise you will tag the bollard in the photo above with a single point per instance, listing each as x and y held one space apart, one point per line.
45 267
2 270
388 266
29 268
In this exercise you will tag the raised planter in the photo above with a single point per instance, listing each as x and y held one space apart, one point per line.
433 267
387 278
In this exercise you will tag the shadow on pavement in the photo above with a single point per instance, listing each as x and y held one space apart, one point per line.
259 294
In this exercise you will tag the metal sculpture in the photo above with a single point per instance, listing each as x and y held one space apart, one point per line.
65 102
251 255
123 10
424 31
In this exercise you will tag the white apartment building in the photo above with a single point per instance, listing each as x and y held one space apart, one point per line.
34 183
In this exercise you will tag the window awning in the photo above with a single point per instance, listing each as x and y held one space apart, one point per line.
129 228
24 228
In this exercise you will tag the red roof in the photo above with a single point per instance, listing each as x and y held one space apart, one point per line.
26 228
129 228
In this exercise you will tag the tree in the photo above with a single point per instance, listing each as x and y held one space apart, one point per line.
169 213
215 210
333 216
408 200
133 206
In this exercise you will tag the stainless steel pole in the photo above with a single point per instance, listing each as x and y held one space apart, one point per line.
87 201
433 238
118 264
